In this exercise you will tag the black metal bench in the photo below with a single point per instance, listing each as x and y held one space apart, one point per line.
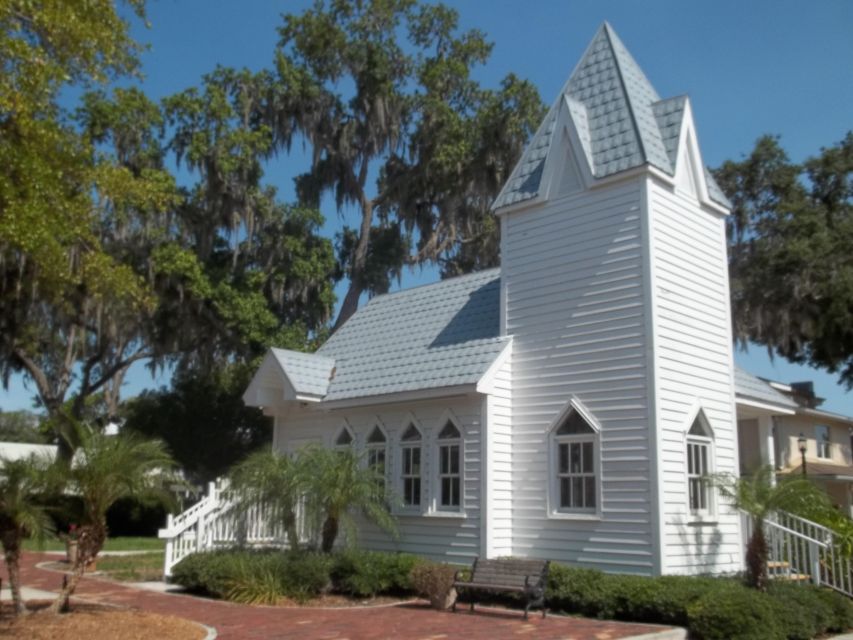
508 575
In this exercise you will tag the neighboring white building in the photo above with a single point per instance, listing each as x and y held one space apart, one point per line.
568 405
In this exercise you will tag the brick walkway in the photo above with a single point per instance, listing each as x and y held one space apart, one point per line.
415 621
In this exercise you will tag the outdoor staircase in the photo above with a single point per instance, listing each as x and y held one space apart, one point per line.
214 523
802 551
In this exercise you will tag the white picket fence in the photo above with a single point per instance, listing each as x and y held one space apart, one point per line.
214 523
803 551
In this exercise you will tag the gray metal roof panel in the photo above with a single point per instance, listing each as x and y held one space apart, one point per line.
309 373
433 336
749 387
624 124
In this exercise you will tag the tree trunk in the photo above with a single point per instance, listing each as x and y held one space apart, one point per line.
89 545
358 265
330 533
12 555
756 558
350 304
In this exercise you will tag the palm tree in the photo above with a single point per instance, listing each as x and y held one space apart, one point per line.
267 480
22 483
759 497
335 484
104 470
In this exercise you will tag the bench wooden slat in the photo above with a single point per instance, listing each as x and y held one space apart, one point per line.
511 575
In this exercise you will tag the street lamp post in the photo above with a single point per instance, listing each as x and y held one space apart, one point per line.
801 441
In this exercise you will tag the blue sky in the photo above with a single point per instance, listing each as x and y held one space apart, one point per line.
750 67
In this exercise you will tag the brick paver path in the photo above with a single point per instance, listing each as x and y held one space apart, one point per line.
406 621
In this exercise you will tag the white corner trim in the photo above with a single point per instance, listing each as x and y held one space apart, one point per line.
486 384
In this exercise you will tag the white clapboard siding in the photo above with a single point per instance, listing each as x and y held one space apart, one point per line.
573 278
455 538
694 368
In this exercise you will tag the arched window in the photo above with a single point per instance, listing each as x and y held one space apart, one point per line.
344 439
449 468
576 476
411 469
700 440
376 452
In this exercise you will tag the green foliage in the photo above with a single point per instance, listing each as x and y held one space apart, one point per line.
790 242
440 144
21 426
759 496
368 573
336 483
711 608
202 419
735 614
266 576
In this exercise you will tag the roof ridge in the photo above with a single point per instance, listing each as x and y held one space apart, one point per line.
424 285
632 111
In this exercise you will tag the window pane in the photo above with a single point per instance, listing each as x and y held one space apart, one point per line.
587 457
589 492
416 461
574 425
703 460
565 498
443 463
407 461
564 458
575 450
407 491
454 459
577 492
344 438
449 432
703 493
445 492
416 491
457 490
693 487
411 433
376 436
691 467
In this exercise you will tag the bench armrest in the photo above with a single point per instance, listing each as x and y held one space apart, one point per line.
457 577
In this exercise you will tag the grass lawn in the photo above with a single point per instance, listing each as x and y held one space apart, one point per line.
139 568
113 544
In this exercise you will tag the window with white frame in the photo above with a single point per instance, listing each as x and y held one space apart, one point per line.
824 447
699 466
449 468
411 453
575 444
376 452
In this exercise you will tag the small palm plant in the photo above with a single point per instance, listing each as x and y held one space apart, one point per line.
336 484
759 497
22 484
268 481
104 470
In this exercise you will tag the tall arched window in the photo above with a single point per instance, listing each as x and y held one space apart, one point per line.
411 467
449 468
344 439
700 465
575 473
377 452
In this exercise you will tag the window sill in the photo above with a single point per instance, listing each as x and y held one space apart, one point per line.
588 517
446 514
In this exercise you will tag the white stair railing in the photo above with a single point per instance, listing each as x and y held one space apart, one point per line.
804 551
214 523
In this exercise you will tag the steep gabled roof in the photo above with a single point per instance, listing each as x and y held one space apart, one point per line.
621 121
439 335
309 373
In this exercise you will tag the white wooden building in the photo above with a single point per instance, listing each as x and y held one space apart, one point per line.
567 405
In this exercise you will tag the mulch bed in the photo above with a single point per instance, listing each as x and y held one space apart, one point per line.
93 622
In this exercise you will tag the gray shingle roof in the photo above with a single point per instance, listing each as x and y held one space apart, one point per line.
309 373
615 106
747 386
437 335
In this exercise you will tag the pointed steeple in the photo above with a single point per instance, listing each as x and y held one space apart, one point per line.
620 119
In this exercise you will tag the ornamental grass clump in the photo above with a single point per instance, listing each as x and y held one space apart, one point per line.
435 582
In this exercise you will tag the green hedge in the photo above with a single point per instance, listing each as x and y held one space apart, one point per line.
712 608
264 576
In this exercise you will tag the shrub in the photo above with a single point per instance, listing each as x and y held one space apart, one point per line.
735 613
841 608
305 575
211 572
433 581
368 573
801 610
